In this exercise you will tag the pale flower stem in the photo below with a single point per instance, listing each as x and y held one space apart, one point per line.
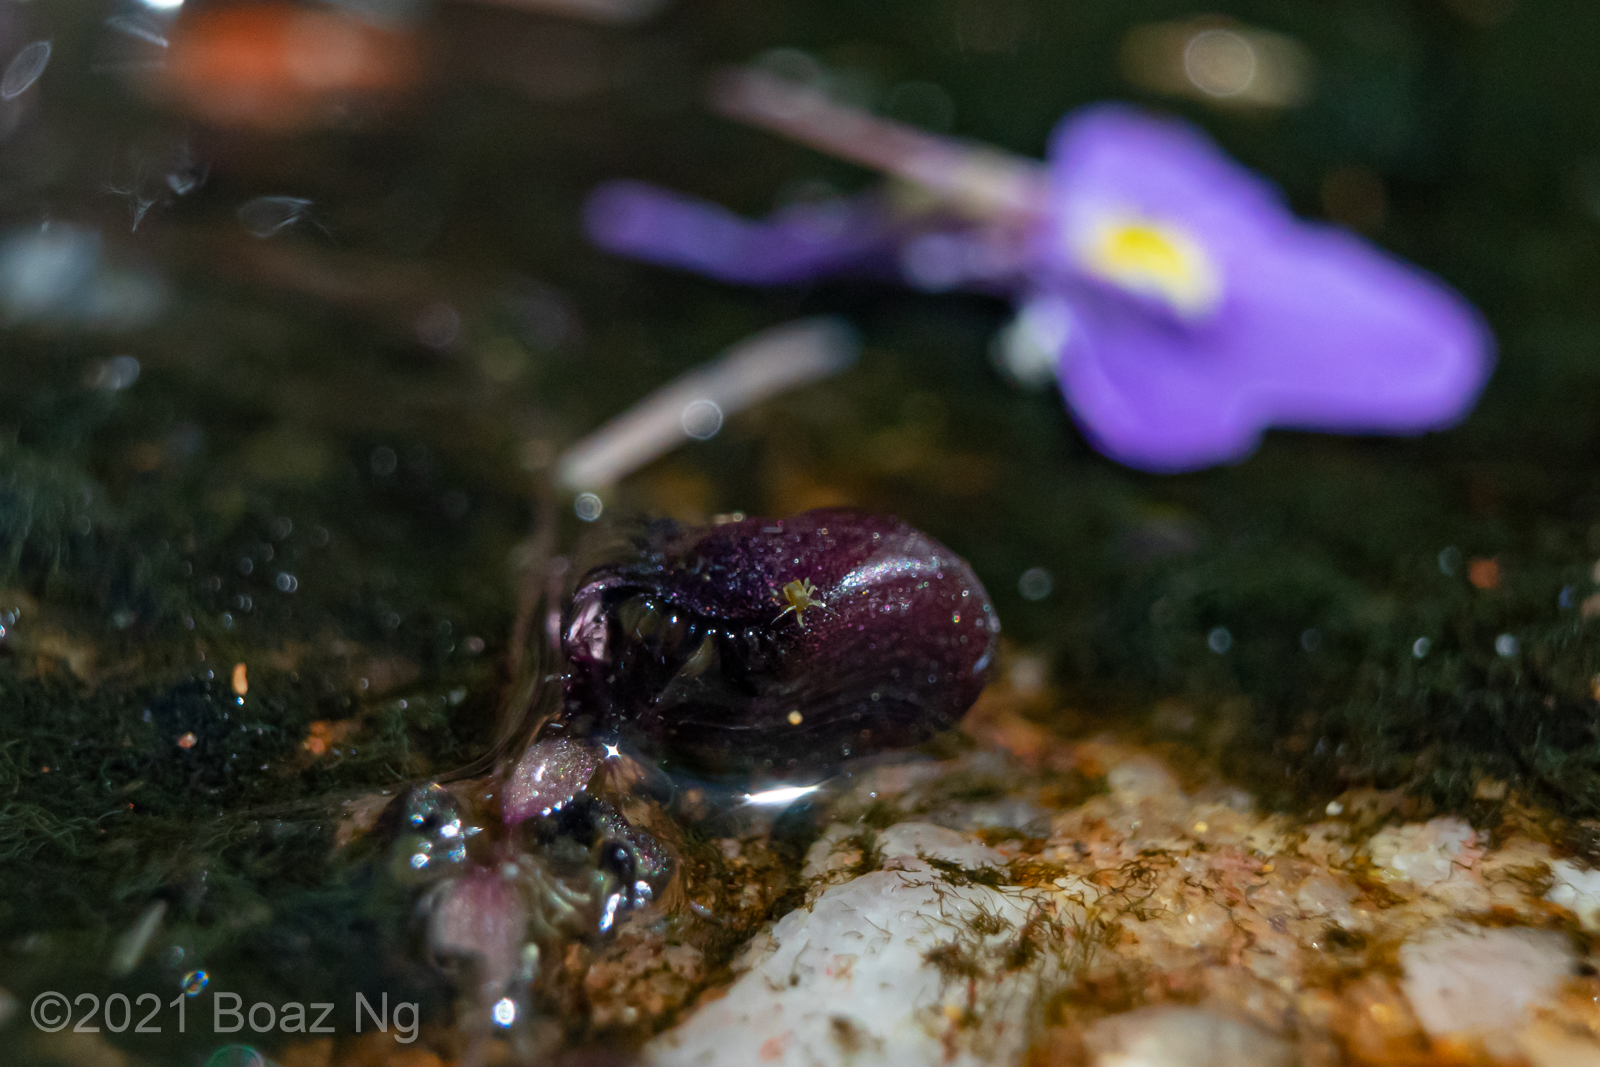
759 367
974 179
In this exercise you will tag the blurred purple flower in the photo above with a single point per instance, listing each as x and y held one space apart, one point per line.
796 244
1181 306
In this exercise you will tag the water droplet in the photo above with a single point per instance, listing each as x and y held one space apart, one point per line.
1220 62
702 419
438 326
24 70
1036 583
1029 348
266 215
236 1056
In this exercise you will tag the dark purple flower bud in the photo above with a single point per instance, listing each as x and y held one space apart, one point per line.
777 646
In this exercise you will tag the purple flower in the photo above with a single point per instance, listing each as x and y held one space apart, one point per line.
796 244
1182 307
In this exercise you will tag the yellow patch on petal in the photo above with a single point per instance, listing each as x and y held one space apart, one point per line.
1153 259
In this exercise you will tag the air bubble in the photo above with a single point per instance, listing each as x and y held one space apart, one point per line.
1036 583
702 419
236 1056
24 70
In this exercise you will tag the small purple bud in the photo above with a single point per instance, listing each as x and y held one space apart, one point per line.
548 775
479 919
776 647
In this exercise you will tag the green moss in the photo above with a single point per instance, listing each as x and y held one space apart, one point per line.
957 875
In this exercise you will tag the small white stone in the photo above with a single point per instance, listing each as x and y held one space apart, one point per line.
1134 779
829 852
923 839
1577 890
1324 896
1182 1037
1424 854
1466 980
845 983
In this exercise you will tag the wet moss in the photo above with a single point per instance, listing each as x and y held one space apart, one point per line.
957 875
865 843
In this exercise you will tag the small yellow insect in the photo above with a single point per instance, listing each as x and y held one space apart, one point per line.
802 596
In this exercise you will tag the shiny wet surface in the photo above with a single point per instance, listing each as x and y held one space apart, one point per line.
282 373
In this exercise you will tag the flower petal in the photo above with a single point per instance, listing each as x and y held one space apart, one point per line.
1321 332
1314 328
1142 394
1118 158
796 244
